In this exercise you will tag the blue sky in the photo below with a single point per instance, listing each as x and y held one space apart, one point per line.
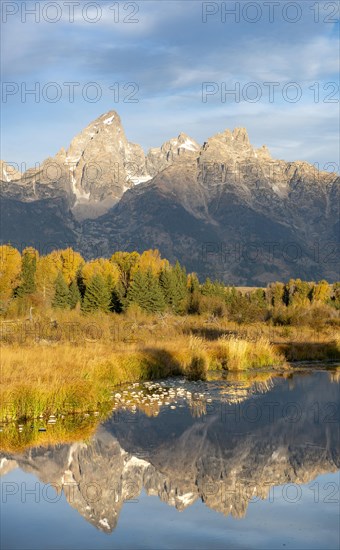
168 52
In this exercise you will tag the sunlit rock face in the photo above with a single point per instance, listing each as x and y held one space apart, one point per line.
225 209
181 148
8 172
229 210
94 172
236 449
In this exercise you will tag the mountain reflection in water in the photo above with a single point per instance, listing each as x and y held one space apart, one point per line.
224 443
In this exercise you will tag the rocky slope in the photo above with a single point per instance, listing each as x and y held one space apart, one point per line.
225 209
170 152
93 173
8 172
231 211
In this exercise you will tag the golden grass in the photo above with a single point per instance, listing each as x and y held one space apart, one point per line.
56 371
311 351
240 354
64 378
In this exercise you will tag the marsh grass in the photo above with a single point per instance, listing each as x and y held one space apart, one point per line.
43 380
240 354
49 372
305 351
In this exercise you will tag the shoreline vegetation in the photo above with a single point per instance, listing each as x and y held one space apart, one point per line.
18 434
72 331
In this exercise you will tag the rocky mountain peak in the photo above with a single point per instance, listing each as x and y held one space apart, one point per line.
186 142
241 136
174 149
237 140
106 129
225 190
232 148
97 168
263 152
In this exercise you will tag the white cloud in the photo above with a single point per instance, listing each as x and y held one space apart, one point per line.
169 53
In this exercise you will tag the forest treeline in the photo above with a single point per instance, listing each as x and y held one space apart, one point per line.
64 280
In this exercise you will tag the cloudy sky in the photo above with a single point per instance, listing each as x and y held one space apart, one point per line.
166 67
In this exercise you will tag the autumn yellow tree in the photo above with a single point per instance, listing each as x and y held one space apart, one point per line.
10 269
321 292
48 268
275 293
297 293
70 264
150 260
103 267
125 262
66 262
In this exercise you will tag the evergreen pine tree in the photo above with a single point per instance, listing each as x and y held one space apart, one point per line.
74 294
156 300
207 287
180 289
137 291
213 288
194 293
80 281
28 269
97 295
166 282
117 298
193 283
231 296
145 291
62 293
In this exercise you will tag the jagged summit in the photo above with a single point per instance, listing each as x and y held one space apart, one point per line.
100 164
176 198
235 141
159 158
241 135
186 142
93 172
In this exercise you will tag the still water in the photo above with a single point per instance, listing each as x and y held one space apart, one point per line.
235 463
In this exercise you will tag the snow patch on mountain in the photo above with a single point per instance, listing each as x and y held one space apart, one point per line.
6 175
136 180
134 461
189 145
104 522
109 120
186 499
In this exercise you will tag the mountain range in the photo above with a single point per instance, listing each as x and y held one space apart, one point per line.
224 209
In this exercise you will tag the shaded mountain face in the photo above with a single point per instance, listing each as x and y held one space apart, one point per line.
45 224
237 450
225 209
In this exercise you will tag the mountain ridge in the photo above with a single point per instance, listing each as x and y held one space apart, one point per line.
192 202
